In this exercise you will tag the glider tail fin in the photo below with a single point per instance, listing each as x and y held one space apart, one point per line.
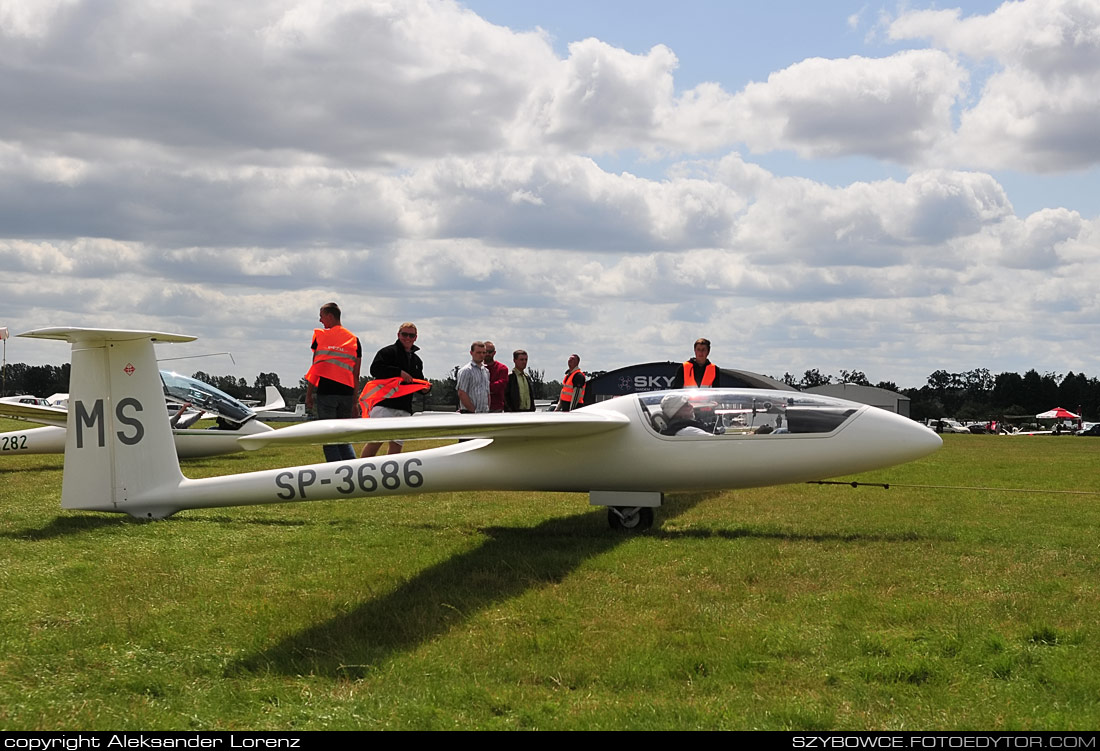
119 451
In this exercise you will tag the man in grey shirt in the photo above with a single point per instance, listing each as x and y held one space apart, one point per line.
473 382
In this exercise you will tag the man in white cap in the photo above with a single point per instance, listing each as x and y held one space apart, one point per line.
680 415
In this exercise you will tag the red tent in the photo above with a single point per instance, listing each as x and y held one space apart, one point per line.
1058 413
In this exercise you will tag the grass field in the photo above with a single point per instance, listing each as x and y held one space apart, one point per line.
798 607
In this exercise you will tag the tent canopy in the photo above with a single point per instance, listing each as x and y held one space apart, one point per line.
1058 413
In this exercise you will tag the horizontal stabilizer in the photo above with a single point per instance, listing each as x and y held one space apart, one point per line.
39 413
75 335
511 425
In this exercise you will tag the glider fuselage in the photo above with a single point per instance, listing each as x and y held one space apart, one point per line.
119 454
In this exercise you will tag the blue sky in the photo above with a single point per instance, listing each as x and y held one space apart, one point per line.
735 43
893 188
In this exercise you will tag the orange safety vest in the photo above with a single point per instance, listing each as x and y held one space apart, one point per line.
567 389
388 388
334 357
709 374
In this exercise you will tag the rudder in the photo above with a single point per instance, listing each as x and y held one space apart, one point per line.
119 450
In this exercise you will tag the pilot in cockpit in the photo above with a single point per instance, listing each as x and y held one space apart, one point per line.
680 416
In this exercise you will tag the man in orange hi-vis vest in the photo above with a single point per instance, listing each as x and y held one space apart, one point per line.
333 378
572 389
699 370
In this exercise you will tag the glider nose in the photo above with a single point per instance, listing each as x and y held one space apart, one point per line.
895 438
886 439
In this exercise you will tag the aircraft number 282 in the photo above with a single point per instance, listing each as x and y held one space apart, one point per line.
365 477
13 443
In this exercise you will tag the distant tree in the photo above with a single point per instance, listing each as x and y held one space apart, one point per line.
889 386
263 380
235 387
444 393
924 406
37 380
813 378
552 389
1049 389
538 383
948 389
978 383
939 381
297 394
13 378
1032 392
972 411
1008 389
789 379
854 376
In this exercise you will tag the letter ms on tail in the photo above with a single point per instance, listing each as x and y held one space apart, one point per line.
626 453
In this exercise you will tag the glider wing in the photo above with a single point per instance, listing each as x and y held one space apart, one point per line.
509 425
35 413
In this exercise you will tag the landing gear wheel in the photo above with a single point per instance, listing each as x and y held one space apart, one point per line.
630 518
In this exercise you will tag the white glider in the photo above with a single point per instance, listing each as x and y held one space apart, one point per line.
119 455
236 420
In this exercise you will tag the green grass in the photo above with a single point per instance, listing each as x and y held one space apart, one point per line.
798 607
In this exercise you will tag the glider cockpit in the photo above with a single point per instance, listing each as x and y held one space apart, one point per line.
730 413
188 400
184 390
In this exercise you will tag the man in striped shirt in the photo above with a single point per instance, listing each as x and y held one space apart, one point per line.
473 382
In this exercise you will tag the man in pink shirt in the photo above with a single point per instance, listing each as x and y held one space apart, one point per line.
498 378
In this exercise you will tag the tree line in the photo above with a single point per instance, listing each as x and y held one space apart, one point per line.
978 394
974 394
46 380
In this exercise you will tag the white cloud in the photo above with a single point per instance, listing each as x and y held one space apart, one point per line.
222 169
893 108
1038 111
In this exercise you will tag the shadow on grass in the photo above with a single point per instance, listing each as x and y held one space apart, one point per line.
45 468
64 526
236 520
512 561
757 534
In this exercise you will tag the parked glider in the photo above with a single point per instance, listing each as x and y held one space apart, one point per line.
119 457
188 401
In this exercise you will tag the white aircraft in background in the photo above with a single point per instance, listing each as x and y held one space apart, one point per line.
26 399
119 454
277 414
188 401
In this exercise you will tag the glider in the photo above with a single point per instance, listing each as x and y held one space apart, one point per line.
119 454
188 400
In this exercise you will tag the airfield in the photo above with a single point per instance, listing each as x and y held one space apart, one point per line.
799 607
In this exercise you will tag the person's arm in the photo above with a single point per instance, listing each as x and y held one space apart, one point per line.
498 382
511 393
578 388
416 371
464 400
309 386
355 372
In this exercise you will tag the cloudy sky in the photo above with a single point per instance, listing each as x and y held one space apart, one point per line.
888 188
